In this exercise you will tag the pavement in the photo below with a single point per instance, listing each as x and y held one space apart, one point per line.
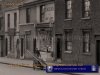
16 62
14 70
19 63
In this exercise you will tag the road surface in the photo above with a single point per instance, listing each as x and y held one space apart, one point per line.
15 70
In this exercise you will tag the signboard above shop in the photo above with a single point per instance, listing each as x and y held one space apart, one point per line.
49 13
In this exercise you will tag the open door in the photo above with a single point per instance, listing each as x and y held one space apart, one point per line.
58 47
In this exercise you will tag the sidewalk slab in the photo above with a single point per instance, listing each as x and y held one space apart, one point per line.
16 62
22 62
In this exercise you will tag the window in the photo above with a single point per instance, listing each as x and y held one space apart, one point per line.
68 9
68 40
42 13
0 23
86 8
8 20
28 16
0 7
15 20
86 41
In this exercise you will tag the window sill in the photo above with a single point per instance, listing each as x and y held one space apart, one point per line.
86 54
86 18
67 19
67 51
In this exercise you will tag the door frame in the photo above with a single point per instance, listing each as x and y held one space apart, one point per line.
22 57
97 62
58 36
6 52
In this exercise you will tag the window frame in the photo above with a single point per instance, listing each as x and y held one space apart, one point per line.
86 8
86 44
42 13
15 20
28 15
68 9
68 38
8 20
1 23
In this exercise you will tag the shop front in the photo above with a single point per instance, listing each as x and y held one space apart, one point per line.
44 41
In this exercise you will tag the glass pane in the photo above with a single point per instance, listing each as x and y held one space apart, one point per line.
69 45
69 14
86 47
86 37
68 4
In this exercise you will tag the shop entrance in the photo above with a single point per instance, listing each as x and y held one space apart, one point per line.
44 42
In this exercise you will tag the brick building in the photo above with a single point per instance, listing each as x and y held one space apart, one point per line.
77 32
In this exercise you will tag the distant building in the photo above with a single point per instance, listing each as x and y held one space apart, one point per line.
2 42
77 30
12 32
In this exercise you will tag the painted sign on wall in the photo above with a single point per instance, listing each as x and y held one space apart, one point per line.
48 15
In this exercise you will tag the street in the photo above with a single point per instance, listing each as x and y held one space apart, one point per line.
15 70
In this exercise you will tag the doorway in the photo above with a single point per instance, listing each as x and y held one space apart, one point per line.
34 45
1 46
58 46
98 52
22 47
17 48
6 53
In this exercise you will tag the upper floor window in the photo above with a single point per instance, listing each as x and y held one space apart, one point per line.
68 9
8 16
42 13
0 7
86 8
0 23
28 16
15 20
86 41
68 40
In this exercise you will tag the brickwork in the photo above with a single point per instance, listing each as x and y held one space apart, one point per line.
77 23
